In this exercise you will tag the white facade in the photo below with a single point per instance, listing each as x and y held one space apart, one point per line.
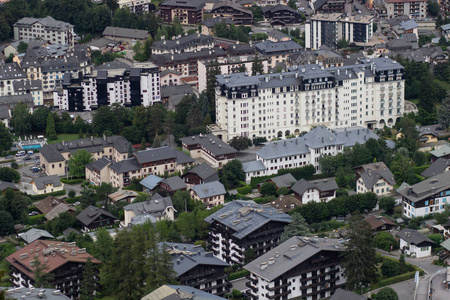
436 205
412 8
136 7
381 187
47 29
415 251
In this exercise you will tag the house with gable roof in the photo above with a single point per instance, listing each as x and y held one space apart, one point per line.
414 243
93 217
210 193
159 207
47 184
375 178
200 174
320 190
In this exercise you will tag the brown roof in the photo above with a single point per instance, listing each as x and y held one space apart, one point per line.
58 254
59 209
378 221
48 204
284 202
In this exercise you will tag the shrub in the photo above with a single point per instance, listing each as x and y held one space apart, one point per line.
14 165
238 274
43 196
385 241
71 193
387 293
244 190
72 181
390 268
37 220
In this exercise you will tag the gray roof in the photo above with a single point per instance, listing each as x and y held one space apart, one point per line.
183 158
11 71
211 22
427 187
91 213
184 42
244 217
283 148
172 90
48 22
41 182
253 166
198 4
276 34
352 135
155 154
234 5
142 219
34 294
155 206
209 189
5 185
185 257
167 58
209 141
311 56
102 42
4 113
278 7
408 25
325 184
436 167
341 294
125 32
126 165
114 65
286 180
445 27
175 183
180 292
443 151
289 255
99 164
35 234
373 172
59 209
272 48
205 172
11 101
414 237
151 181
320 137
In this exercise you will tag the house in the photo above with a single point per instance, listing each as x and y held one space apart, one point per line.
5 116
281 15
286 203
327 58
35 234
278 36
426 135
173 184
198 269
150 183
51 207
439 166
277 52
170 77
253 168
209 24
47 184
102 44
93 217
12 49
125 34
97 171
286 180
160 208
380 223
61 259
341 294
187 43
411 8
123 196
34 294
54 157
189 12
248 226
7 185
179 292
442 152
445 29
427 196
375 178
414 243
300 268
233 11
137 7
210 193
172 95
200 174
210 148
320 190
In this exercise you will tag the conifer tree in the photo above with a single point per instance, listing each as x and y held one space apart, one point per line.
89 282
297 227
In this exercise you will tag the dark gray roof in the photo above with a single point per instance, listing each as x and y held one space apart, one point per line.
5 185
397 20
209 189
277 34
289 255
286 180
414 237
437 167
234 5
341 294
211 22
35 234
210 142
156 154
156 206
172 90
151 181
427 187
253 166
278 7
180 292
41 182
373 172
48 22
352 135
113 65
325 184
102 42
11 71
125 33
185 257
34 294
184 42
91 213
300 58
27 85
205 172
175 183
183 158
4 113
126 165
99 164
244 217
198 4
167 58
272 48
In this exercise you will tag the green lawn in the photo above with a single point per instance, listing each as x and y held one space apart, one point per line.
65 136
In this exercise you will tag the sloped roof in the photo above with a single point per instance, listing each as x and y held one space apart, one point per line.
122 194
352 135
99 164
151 181
91 213
373 172
175 183
443 151
5 185
156 154
155 206
209 189
48 22
286 180
125 32
325 184
198 4
378 221
253 166
211 22
183 158
437 167
41 182
183 42
180 292
205 172
272 48
414 237
320 137
126 165
59 209
210 142
427 187
35 234
286 203
47 204
33 294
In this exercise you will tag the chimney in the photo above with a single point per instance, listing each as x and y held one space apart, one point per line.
62 142
104 137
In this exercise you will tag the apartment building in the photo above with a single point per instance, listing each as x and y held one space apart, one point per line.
327 58
282 15
137 7
109 84
243 225
187 43
426 197
228 65
300 268
328 29
320 190
277 52
189 12
332 6
375 178
233 11
47 29
370 94
411 8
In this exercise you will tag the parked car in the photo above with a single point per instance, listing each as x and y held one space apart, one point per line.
33 213
27 158
20 153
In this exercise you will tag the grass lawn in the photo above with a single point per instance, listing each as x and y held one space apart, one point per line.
65 136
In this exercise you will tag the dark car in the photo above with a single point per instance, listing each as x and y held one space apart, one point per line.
27 158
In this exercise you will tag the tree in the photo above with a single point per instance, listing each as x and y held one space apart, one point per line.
103 191
88 285
436 237
6 223
180 201
22 47
9 175
78 161
156 141
39 119
20 118
213 71
42 279
402 169
249 255
259 140
6 140
343 43
386 241
240 142
50 130
359 256
388 204
297 227
88 197
387 293
257 65
433 8
242 69
106 120
444 113
232 173
103 246
390 268
268 188
292 4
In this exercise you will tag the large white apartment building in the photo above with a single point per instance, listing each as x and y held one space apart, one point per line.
412 8
137 7
370 94
328 29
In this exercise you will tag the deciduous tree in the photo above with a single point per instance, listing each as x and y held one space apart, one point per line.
387 293
20 118
50 130
6 140
78 161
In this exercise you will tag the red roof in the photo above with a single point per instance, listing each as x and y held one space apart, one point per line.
378 221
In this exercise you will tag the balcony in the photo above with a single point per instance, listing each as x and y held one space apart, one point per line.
250 286
279 295
276 287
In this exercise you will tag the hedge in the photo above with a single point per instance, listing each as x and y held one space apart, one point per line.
419 170
72 200
71 181
244 190
257 180
43 196
238 274
7 161
36 220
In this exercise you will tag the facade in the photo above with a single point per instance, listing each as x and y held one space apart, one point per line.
198 269
210 194
47 184
300 268
187 43
161 208
328 29
277 52
233 11
200 174
280 104
282 15
320 190
170 77
189 12
93 217
375 178
209 147
333 6
131 86
47 29
61 259
137 7
414 243
54 157
426 197
327 58
412 8
241 225
97 171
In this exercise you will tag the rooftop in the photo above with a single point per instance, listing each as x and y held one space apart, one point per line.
198 4
33 294
272 48
352 135
35 234
125 32
42 182
436 167
210 142
151 181
376 221
426 188
175 183
183 42
371 173
443 151
285 180
286 203
414 237
92 213
179 292
209 189
122 195
325 184
48 22
155 206
205 172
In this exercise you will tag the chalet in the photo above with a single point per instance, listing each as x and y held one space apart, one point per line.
233 11
170 77
173 184
442 152
53 207
281 15
189 12
93 217
150 183
210 194
200 174
286 203
439 166
286 180
375 178
320 190
160 208
278 36
414 243
380 223
47 184
7 185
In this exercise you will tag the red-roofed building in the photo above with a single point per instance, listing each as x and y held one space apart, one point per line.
64 260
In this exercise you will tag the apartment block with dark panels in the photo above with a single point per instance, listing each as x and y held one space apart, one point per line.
300 268
281 15
244 225
334 6
187 11
198 269
234 11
